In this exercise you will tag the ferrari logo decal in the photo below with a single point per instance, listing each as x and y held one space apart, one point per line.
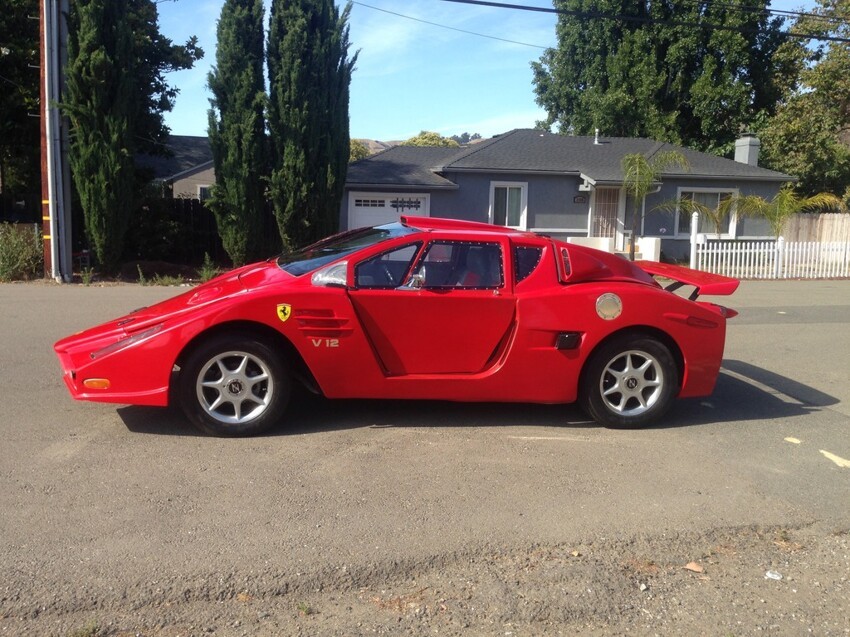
284 311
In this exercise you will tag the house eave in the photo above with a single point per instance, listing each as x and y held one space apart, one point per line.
394 186
188 171
748 178
508 171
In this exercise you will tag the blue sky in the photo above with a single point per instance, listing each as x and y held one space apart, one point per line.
410 75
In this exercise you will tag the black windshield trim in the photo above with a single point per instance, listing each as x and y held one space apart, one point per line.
312 257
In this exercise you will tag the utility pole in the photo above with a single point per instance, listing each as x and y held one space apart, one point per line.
55 173
45 180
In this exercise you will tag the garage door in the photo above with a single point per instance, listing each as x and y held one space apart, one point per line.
374 209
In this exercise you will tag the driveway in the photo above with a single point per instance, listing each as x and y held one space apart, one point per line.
366 517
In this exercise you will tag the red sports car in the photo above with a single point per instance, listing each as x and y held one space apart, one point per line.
425 308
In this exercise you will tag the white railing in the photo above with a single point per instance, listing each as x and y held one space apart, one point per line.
775 259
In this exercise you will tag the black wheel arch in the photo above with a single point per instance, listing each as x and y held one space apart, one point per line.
639 331
257 331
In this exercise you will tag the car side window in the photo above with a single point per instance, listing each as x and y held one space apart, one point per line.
526 260
386 270
461 264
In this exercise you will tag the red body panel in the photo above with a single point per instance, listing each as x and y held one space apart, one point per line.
495 344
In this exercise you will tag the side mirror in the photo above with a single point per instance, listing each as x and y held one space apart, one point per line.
416 280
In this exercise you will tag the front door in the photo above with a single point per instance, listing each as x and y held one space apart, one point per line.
448 316
606 209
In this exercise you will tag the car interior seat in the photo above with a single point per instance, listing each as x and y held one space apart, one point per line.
482 268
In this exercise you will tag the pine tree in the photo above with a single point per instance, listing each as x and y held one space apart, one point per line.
237 130
99 99
309 78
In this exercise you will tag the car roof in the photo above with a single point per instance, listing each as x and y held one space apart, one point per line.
440 223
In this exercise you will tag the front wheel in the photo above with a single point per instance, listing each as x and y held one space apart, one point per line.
629 382
234 385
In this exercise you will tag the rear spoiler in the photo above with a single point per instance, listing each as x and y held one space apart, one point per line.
703 282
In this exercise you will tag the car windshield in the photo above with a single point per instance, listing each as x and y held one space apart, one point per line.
313 257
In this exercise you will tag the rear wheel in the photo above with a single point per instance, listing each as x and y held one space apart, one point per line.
234 385
629 382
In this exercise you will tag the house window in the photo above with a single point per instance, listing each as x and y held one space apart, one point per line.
508 203
204 192
370 203
711 200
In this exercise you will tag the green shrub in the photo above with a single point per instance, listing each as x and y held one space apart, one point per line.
208 269
159 279
21 252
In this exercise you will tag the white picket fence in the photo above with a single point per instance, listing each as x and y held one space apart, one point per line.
777 259
774 259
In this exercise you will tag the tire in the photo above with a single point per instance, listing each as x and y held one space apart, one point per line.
234 385
630 382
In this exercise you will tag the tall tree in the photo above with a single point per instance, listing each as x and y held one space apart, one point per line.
690 73
100 100
810 135
116 97
309 77
237 130
19 133
154 57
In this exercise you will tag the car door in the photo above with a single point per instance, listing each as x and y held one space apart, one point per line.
448 315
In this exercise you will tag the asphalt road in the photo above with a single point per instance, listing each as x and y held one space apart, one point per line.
111 509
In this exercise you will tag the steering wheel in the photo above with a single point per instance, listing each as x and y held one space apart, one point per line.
388 275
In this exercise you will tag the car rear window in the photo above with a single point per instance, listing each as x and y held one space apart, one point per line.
526 260
313 257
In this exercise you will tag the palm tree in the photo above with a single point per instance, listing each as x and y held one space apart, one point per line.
716 216
640 175
785 204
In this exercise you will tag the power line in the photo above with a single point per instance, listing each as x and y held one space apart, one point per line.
443 26
779 13
588 15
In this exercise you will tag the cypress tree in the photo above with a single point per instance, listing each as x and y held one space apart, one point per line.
237 130
99 100
309 78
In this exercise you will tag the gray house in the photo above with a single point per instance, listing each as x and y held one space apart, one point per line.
188 169
567 187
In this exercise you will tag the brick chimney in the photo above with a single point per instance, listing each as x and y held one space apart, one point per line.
747 149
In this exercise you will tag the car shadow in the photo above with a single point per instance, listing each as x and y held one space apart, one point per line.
747 392
743 392
161 421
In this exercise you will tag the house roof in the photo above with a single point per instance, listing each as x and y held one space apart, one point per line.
410 166
541 152
188 153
